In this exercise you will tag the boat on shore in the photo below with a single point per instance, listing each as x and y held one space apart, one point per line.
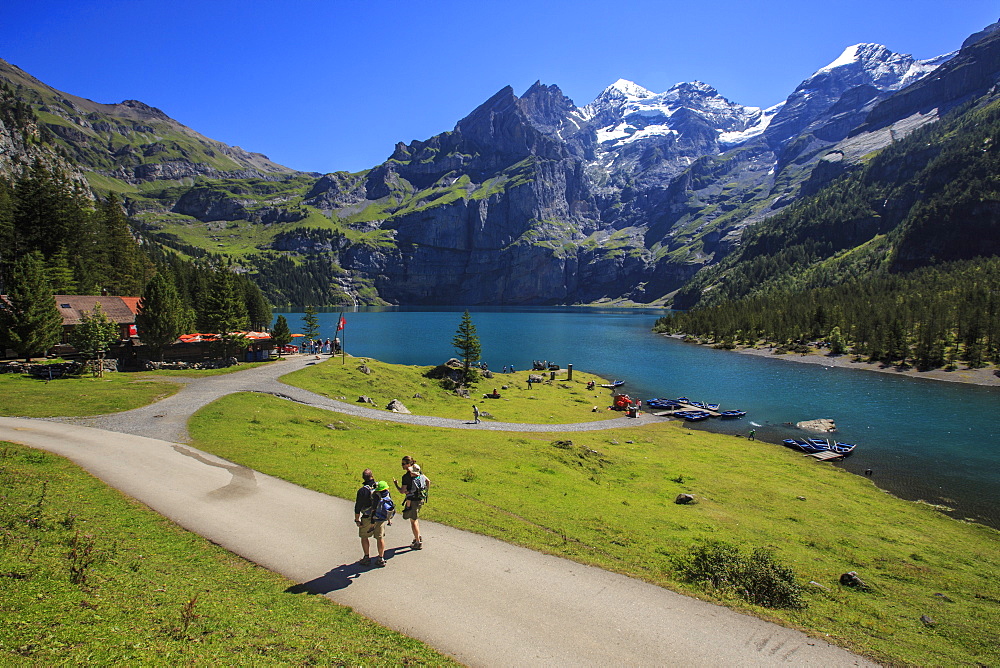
613 384
693 416
812 446
663 404
803 445
842 448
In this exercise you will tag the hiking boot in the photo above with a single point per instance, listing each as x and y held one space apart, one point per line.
380 562
418 544
365 561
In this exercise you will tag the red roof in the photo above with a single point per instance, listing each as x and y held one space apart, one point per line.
196 338
132 303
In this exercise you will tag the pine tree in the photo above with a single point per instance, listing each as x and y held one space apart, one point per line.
281 335
8 240
162 316
125 266
258 309
466 342
60 274
224 313
311 329
30 320
93 334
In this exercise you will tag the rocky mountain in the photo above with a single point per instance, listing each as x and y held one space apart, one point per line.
130 141
530 199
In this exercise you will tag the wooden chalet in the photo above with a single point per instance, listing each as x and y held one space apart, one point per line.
120 310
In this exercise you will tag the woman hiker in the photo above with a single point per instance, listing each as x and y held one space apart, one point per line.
413 485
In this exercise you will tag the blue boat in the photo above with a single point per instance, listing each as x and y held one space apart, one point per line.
842 448
819 443
804 445
661 403
693 416
732 414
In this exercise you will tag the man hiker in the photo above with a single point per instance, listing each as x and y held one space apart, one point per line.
368 518
475 414
753 433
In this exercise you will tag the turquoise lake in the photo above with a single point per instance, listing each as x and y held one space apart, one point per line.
922 439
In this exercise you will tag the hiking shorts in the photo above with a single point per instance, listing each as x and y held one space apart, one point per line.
411 511
369 529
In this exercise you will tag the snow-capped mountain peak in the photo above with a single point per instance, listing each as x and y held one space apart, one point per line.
629 89
872 64
849 56
625 113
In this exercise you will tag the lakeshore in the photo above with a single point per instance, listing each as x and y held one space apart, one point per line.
986 376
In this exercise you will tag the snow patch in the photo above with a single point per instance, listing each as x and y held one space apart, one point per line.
850 55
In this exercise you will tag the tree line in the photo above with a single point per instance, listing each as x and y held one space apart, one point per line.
55 239
931 198
929 318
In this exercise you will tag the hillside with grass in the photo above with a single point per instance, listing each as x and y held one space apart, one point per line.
89 576
532 200
770 532
765 518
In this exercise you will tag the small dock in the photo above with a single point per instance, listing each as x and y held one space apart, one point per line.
686 407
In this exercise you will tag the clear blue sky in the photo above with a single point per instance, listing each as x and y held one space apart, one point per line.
327 85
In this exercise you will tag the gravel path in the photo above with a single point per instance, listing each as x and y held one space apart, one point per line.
167 419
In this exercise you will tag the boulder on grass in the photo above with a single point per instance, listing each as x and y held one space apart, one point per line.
396 406
684 498
851 579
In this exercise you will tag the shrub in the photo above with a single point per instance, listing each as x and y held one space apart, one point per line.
757 578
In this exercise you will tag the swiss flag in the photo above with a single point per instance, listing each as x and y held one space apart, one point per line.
340 325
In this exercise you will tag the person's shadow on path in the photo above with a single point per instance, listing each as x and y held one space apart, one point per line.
340 577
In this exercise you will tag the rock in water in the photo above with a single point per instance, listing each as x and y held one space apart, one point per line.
820 425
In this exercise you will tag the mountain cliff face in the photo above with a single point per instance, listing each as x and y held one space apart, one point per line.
529 199
533 200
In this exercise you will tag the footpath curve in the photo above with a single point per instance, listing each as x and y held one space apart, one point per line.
167 419
487 603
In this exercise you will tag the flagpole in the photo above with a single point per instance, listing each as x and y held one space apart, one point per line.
341 328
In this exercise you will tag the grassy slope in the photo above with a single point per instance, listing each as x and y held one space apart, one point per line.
129 608
23 396
606 499
83 395
556 402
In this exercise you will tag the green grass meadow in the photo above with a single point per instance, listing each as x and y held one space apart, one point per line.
603 498
91 577
606 499
551 402
24 396
79 395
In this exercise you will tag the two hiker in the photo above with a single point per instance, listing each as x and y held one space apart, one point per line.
374 509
